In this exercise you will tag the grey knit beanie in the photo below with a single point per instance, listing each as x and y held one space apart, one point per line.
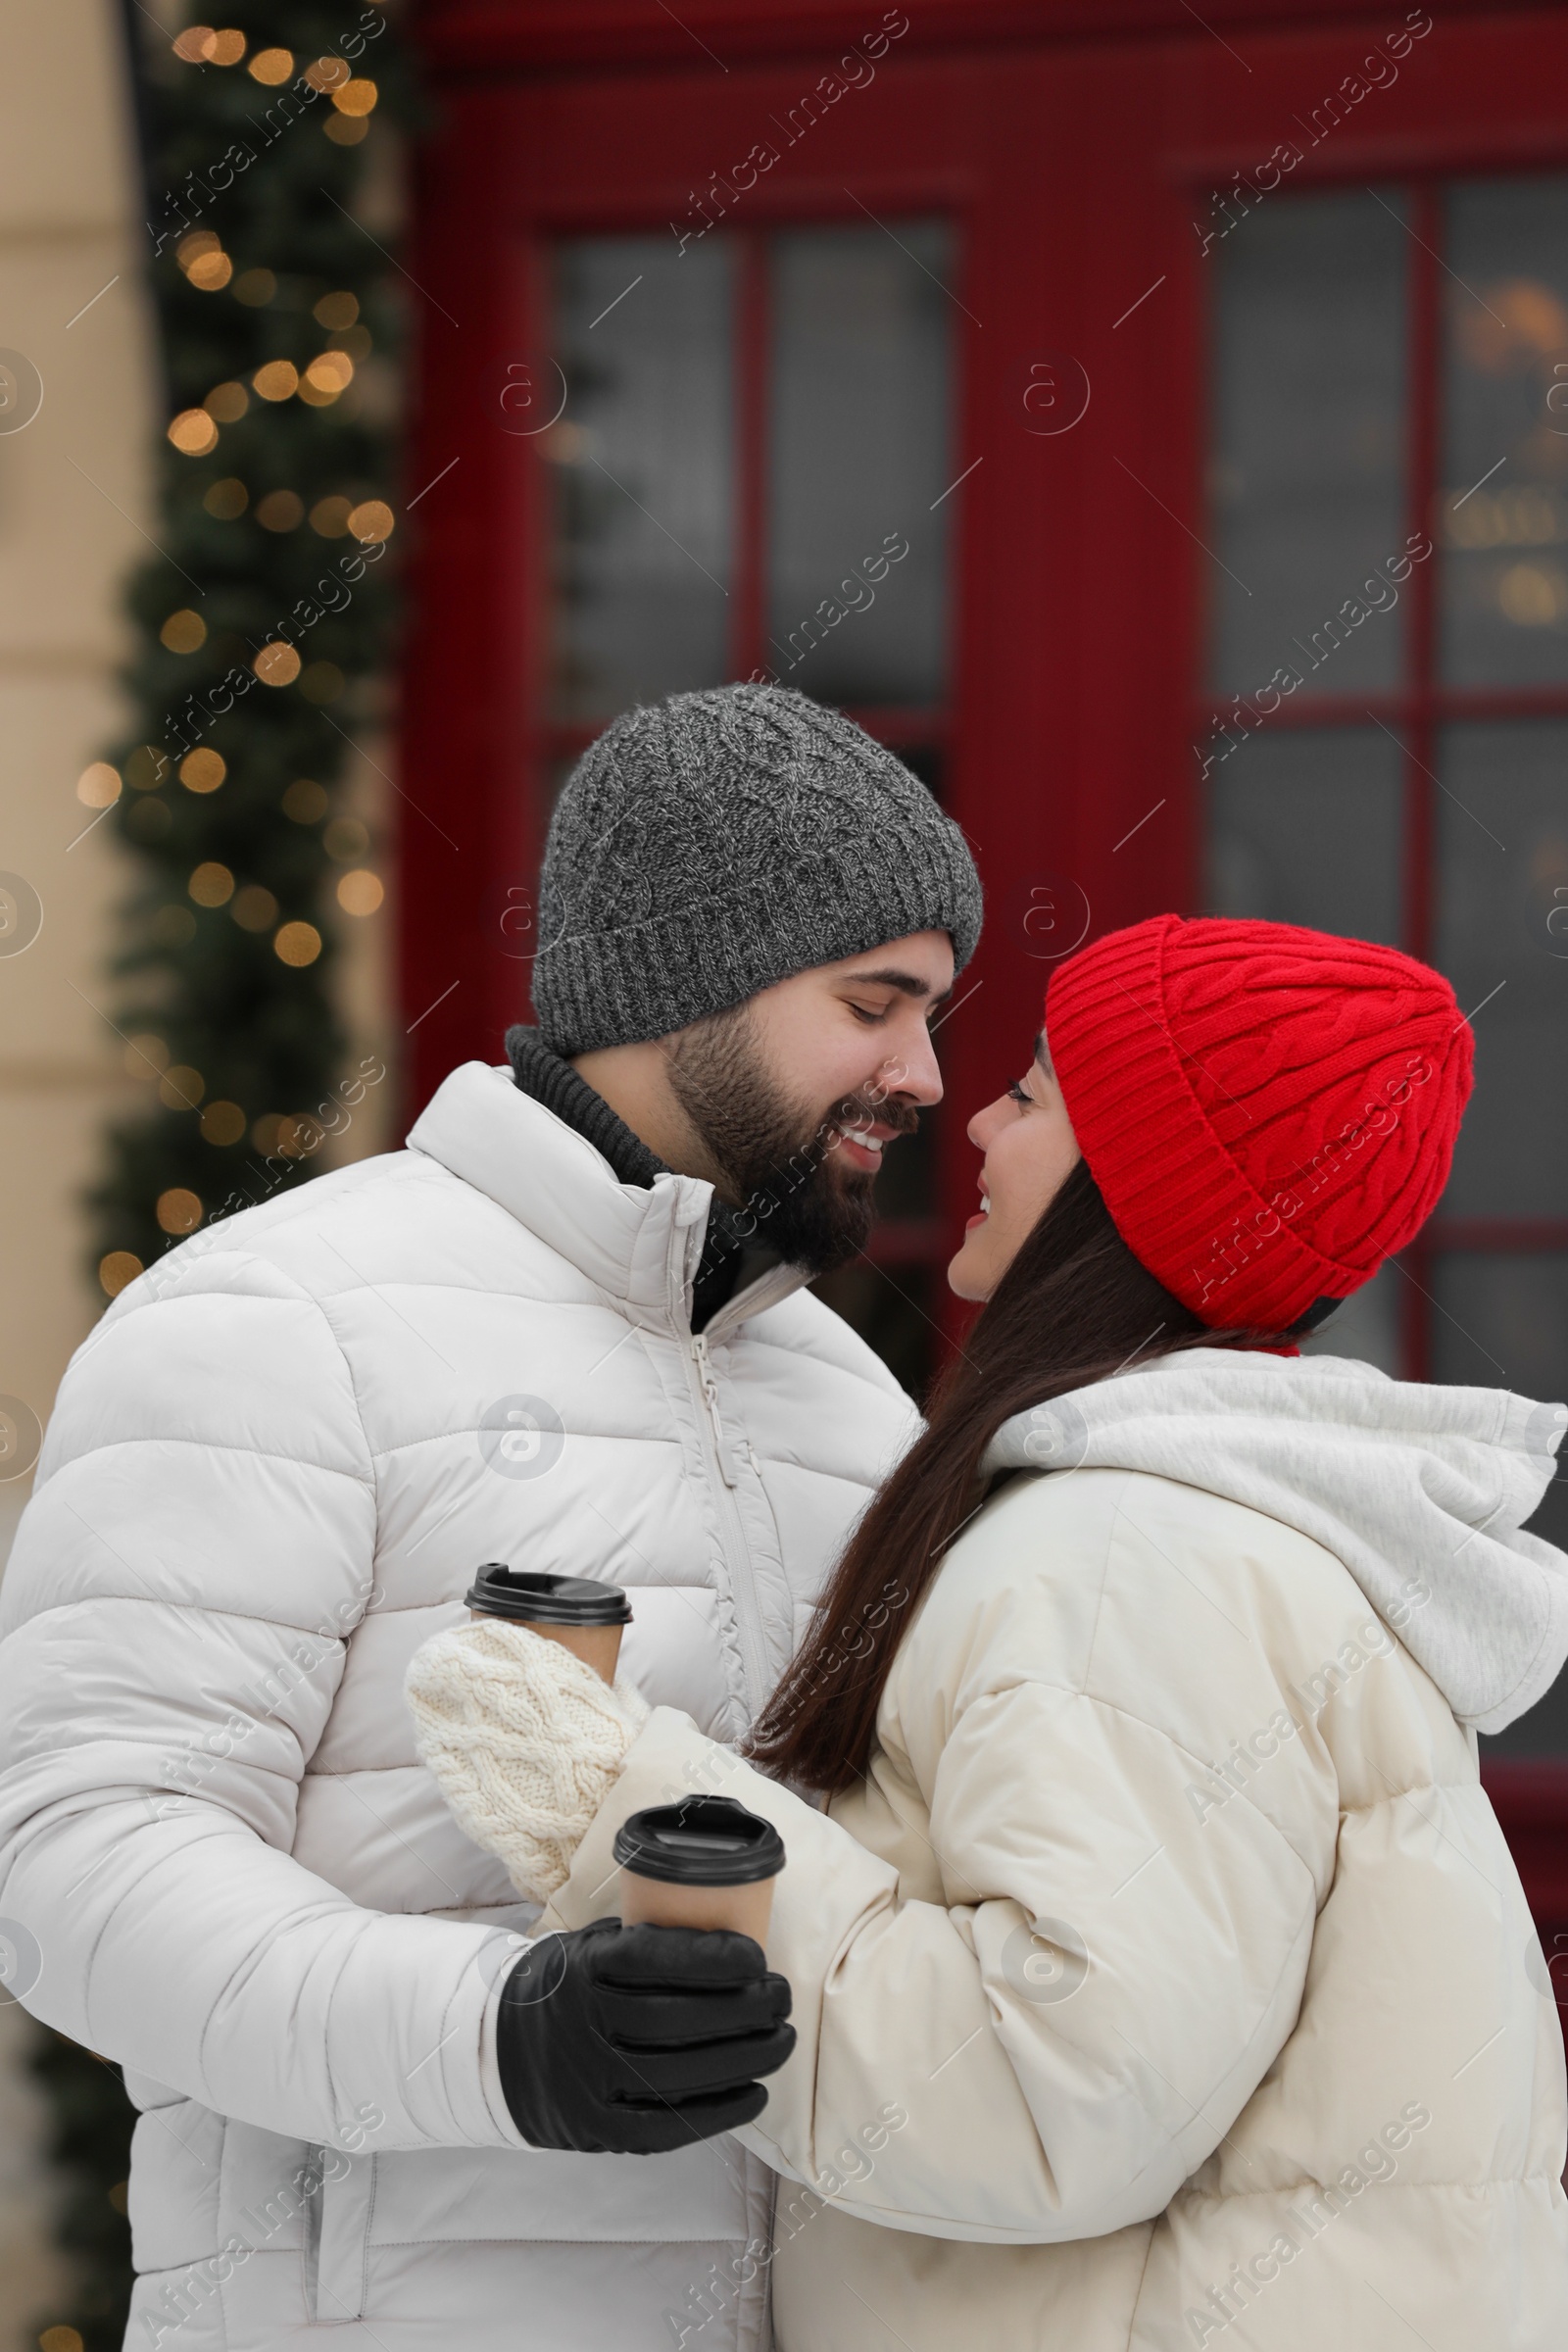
709 845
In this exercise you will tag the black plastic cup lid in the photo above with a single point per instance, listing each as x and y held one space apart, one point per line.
702 1842
532 1596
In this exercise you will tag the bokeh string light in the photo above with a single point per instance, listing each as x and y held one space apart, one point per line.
275 314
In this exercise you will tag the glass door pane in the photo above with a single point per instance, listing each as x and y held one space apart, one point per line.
756 444
1504 506
1303 827
1502 939
1307 478
644 463
861 434
1503 856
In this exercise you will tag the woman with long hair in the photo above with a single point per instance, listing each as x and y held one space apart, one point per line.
1160 1975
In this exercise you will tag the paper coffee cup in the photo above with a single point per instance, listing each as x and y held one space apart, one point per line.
705 1862
584 1616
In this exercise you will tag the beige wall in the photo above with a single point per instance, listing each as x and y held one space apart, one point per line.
75 499
66 231
73 489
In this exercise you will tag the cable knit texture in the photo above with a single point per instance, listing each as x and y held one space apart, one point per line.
524 1740
1270 1112
705 847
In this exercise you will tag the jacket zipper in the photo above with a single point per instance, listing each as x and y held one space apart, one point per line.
738 1558
709 1388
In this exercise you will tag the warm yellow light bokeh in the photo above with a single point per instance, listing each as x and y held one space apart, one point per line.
223 1123
371 519
297 944
184 631
1533 596
276 665
98 786
115 1270
330 372
254 909
203 770
209 273
361 892
280 510
193 433
227 499
227 403
278 380
178 1210
211 884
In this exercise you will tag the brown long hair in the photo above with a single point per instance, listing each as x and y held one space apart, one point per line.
1074 1308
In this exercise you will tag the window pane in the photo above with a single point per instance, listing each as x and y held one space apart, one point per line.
860 404
1305 828
1502 1322
1308 469
644 471
1506 577
1502 939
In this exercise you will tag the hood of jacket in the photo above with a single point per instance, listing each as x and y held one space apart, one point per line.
1420 1491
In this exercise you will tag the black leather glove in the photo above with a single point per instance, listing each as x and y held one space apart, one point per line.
637 2040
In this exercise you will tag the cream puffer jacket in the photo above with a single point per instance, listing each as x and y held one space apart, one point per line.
271 1475
1169 1982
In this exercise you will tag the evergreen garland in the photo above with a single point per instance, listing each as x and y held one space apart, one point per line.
262 619
262 623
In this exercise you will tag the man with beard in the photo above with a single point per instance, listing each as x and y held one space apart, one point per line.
566 1329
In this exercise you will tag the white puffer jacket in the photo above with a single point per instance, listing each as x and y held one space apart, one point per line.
270 1474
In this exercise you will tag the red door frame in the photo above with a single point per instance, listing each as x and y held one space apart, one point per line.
1076 144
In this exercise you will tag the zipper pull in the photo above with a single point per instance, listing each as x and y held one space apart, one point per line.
709 1386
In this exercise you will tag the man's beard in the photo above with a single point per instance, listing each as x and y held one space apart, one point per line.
780 1161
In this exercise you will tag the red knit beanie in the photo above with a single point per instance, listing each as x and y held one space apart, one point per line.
1269 1112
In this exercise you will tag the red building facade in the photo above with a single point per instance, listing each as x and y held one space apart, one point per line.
1154 427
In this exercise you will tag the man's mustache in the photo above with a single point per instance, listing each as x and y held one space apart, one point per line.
850 1116
856 1113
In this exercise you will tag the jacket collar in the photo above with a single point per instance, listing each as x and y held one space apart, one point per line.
730 1261
639 1245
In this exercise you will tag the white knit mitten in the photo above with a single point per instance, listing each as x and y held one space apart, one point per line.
525 1741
